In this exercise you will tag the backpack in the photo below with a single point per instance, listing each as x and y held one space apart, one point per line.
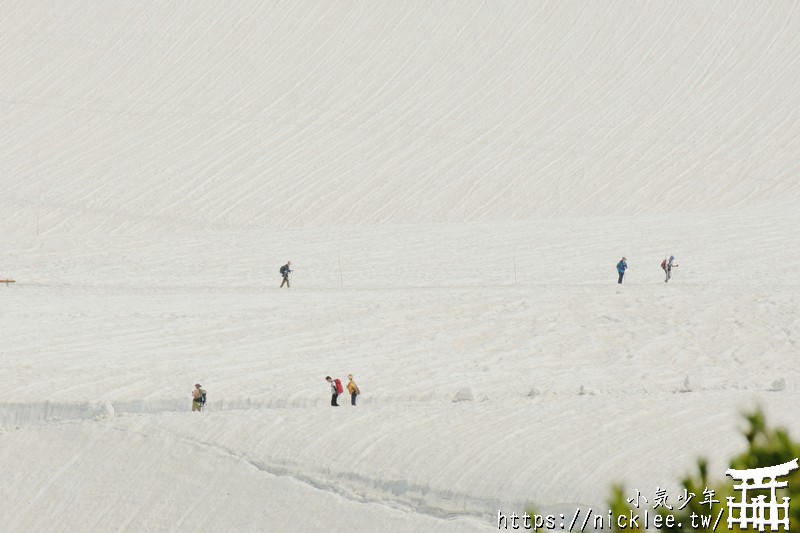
664 264
282 269
202 398
339 388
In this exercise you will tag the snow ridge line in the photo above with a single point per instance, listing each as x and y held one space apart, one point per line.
399 494
17 415
22 414
25 414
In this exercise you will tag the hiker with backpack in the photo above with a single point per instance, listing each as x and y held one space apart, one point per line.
285 270
667 265
198 398
353 389
621 267
336 390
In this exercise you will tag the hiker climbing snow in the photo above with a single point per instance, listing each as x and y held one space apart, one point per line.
198 398
667 265
352 388
621 267
285 271
336 390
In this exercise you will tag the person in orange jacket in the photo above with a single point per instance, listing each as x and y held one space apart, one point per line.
353 389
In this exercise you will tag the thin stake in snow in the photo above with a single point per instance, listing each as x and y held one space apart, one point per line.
515 269
341 278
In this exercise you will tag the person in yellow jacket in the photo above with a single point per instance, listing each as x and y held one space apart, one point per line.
353 389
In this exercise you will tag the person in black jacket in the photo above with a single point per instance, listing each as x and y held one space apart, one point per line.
285 271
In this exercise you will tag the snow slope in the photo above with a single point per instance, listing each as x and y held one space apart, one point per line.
190 115
454 183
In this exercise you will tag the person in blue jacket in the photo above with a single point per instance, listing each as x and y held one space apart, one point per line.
621 267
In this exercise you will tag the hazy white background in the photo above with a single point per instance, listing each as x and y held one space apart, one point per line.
454 182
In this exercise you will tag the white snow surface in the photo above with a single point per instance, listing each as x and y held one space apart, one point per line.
454 182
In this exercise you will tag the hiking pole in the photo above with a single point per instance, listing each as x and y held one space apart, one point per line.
341 278
515 269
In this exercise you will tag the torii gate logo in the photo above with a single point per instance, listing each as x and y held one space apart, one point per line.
758 512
